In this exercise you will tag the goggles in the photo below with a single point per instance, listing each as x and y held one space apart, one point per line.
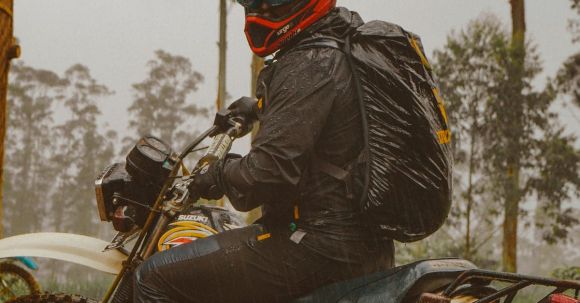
256 3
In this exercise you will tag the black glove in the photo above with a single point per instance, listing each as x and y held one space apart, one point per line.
246 109
205 185
208 183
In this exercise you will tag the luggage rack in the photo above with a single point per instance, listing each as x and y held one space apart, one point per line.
518 282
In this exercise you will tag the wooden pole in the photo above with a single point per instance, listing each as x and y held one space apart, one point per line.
513 194
220 104
8 51
222 44
256 68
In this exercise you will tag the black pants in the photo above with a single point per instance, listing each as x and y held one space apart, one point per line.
237 267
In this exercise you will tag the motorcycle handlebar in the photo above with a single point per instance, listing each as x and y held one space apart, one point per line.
225 123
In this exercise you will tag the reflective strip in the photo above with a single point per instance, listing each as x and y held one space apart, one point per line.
264 237
6 10
260 103
440 103
424 60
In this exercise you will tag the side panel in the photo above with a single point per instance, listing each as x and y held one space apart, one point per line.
72 248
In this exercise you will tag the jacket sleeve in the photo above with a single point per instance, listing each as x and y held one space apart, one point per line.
299 99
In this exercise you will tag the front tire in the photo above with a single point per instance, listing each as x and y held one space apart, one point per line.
52 298
16 281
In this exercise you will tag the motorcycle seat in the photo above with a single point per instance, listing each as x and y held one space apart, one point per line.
393 286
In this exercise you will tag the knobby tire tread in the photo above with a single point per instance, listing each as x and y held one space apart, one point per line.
53 298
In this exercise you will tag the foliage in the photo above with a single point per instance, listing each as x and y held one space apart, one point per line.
468 69
568 78
160 107
52 165
570 273
28 148
83 150
574 24
494 128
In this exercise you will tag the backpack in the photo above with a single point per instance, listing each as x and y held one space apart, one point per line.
407 156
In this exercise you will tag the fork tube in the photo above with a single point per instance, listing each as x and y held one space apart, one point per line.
152 243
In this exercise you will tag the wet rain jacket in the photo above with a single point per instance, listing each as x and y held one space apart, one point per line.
309 111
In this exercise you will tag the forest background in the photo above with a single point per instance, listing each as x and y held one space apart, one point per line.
93 77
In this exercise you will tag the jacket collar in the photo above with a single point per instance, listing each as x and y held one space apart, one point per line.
339 23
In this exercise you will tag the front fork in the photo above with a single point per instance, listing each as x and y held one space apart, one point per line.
123 286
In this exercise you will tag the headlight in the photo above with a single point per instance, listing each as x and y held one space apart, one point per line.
111 180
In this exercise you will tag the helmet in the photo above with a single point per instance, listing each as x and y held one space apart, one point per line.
267 34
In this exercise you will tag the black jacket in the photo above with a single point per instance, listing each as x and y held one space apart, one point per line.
309 109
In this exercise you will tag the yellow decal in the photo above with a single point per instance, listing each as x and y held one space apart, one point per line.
184 232
444 136
264 237
260 103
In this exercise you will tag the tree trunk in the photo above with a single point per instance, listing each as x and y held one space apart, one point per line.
223 46
467 250
8 51
220 104
513 195
257 65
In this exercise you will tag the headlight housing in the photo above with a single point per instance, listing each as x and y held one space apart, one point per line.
135 183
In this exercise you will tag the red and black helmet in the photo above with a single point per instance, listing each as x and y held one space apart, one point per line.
268 33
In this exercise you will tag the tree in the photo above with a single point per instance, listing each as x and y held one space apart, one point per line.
160 107
468 71
223 46
82 152
509 147
510 161
568 79
30 142
574 24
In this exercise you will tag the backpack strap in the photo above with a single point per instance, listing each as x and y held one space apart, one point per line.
345 174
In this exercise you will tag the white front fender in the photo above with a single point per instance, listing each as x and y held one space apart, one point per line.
73 248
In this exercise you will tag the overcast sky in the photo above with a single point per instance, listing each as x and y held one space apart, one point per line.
115 39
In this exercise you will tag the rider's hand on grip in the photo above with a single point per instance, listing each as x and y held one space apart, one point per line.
246 110
207 183
245 107
204 184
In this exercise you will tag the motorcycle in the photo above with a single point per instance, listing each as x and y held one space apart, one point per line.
15 280
148 201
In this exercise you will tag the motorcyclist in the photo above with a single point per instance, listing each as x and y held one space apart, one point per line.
311 232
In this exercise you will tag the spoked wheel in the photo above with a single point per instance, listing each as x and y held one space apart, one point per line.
52 298
16 281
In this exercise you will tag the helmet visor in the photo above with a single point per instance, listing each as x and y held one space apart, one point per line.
256 3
